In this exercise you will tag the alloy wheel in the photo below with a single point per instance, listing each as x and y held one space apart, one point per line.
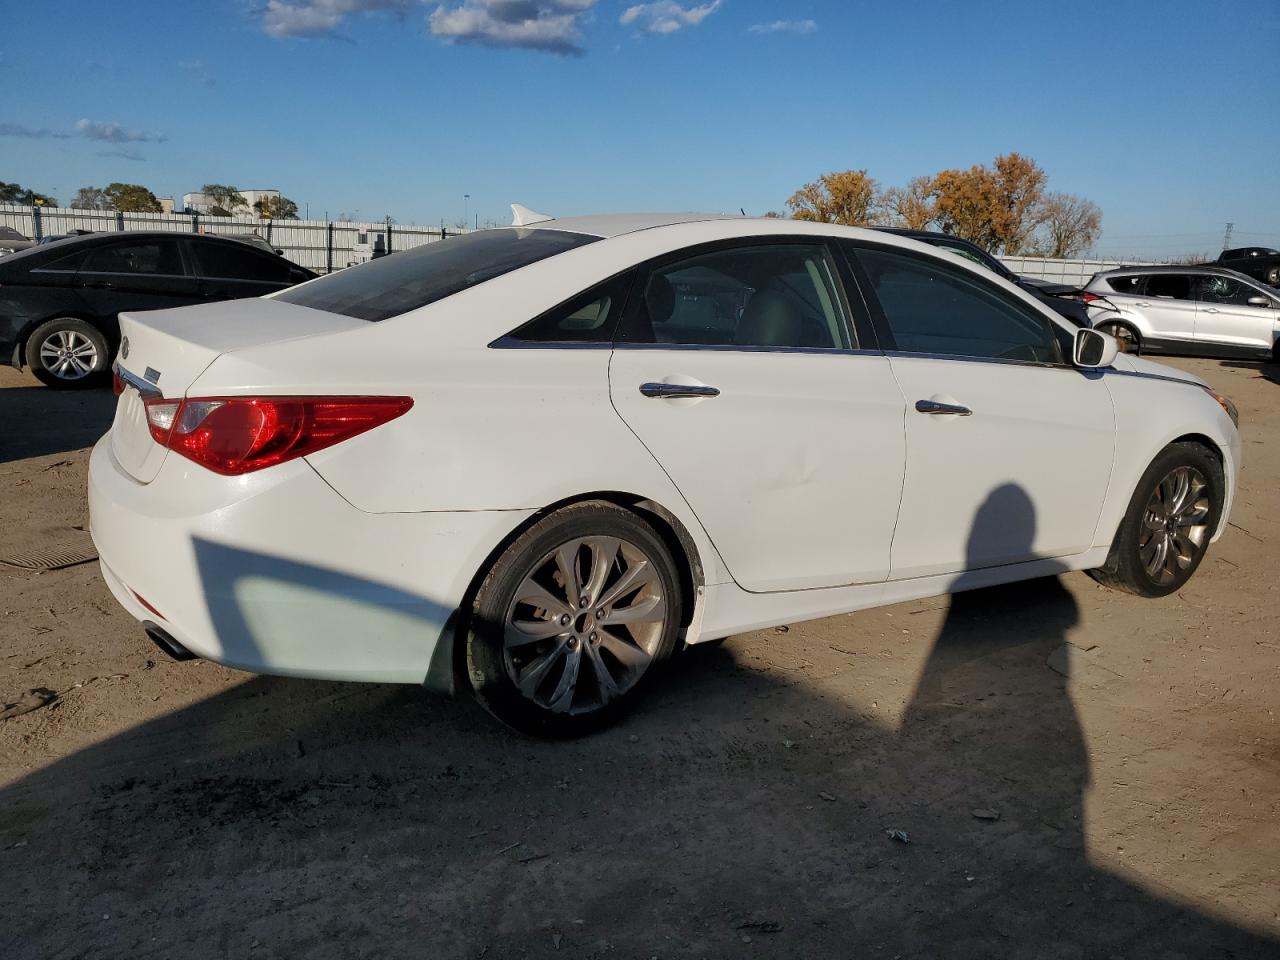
585 624
69 355
1175 525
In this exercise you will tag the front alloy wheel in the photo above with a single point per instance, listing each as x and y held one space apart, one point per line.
1175 524
572 620
1172 515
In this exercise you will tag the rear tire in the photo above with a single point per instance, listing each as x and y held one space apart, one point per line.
68 354
1165 532
1273 276
573 620
1130 339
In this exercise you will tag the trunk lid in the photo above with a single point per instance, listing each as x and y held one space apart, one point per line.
162 352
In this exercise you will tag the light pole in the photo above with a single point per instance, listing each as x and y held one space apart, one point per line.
466 209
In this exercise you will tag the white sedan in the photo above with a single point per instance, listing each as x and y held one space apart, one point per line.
535 461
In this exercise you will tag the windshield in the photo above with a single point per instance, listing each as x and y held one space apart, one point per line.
396 284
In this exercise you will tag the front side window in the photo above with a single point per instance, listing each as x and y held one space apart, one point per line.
1224 290
779 296
1169 286
395 284
151 256
932 307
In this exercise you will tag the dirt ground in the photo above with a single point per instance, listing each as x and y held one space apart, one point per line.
1079 773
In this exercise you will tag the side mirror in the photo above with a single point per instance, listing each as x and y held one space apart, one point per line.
1094 349
1259 301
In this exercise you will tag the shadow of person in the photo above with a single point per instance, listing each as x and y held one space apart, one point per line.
994 695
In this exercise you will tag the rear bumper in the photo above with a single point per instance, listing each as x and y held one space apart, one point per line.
275 573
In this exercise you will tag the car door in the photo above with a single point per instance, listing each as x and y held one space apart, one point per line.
145 273
996 420
1225 317
1169 307
230 270
780 423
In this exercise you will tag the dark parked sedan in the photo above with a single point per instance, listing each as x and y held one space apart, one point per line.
59 301
1053 295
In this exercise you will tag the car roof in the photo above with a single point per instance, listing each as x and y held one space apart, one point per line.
1197 269
609 225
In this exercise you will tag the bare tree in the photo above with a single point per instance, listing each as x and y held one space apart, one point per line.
1071 224
91 198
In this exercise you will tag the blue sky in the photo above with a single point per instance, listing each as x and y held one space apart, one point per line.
1162 113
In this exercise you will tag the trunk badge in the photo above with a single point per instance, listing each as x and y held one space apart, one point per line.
124 349
152 375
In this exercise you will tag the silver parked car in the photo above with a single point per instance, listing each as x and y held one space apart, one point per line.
1202 311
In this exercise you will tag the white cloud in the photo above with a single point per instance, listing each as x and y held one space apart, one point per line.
31 133
785 26
112 132
317 18
667 16
553 26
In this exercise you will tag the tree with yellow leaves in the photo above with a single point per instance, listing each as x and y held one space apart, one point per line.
849 197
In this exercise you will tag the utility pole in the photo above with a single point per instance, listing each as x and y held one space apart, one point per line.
466 209
1226 237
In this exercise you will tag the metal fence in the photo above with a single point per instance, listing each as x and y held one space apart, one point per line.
319 245
331 245
1073 272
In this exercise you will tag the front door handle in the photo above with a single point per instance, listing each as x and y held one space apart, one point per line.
934 407
1210 309
672 391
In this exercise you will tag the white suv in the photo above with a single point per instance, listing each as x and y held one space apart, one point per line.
1207 311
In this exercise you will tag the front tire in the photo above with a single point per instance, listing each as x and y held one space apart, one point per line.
67 353
1166 531
573 620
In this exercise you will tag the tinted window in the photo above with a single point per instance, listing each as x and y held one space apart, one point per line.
149 256
70 263
779 295
588 318
1169 286
1225 290
236 261
932 307
396 284
1130 283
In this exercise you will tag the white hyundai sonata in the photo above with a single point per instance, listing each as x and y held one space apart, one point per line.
535 461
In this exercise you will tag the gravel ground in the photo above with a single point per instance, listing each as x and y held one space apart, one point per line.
1080 773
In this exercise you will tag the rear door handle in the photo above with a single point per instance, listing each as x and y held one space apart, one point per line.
1210 309
101 285
676 390
934 407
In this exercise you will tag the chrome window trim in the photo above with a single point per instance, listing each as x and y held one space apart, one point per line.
1003 361
130 273
510 343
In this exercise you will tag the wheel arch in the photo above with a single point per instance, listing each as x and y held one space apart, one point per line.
448 662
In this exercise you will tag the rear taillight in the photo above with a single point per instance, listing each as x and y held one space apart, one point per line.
117 381
234 435
1089 297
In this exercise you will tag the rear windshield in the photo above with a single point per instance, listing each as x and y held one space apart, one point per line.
390 286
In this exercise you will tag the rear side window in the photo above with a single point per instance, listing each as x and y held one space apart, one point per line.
780 296
590 317
396 284
1169 286
1129 283
237 261
150 256
931 307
